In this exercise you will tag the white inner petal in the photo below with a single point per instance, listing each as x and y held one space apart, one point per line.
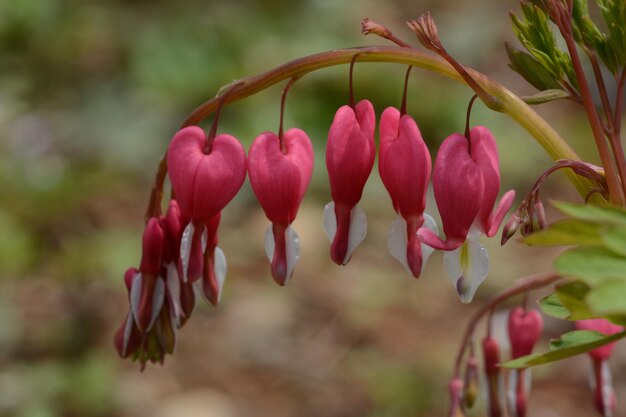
467 267
269 243
173 288
431 224
358 231
157 300
511 392
127 330
397 241
185 248
135 295
607 388
292 246
219 265
330 221
204 238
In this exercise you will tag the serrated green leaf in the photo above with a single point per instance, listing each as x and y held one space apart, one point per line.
591 264
529 68
570 344
615 239
572 296
567 232
608 298
611 215
546 96
552 306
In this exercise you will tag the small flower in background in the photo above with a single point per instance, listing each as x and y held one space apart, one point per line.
524 328
455 389
205 174
280 170
491 359
404 166
466 183
601 380
350 153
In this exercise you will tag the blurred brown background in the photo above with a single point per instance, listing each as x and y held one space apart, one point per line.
90 93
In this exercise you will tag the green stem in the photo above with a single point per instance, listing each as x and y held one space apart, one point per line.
509 103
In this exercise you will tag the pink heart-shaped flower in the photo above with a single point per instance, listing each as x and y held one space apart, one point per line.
204 182
350 153
280 176
524 328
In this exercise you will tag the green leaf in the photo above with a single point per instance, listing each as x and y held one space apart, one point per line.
615 239
606 214
546 96
591 264
529 68
552 306
608 298
572 296
567 232
570 344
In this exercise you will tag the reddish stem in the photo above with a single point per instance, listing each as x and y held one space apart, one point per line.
283 98
521 286
406 89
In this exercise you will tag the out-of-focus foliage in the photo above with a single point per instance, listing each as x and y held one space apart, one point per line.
91 91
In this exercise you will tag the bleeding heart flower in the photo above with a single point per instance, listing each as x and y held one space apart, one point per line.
524 328
350 153
205 177
466 182
280 172
404 166
601 380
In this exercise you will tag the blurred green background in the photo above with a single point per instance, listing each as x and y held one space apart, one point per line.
90 94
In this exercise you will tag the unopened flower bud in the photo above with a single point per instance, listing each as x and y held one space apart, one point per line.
510 227
539 215
455 387
470 391
491 358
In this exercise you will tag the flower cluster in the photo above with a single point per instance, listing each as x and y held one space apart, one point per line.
180 254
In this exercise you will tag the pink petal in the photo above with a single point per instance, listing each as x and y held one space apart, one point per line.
279 180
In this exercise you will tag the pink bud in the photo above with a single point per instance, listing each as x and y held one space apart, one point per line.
173 226
405 166
204 182
484 152
525 328
350 153
491 357
458 185
152 247
455 388
279 180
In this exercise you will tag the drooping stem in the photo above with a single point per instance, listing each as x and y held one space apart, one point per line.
406 90
216 119
283 98
510 104
467 119
350 87
521 286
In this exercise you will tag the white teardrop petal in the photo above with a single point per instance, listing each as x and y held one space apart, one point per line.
431 224
173 289
185 248
397 241
330 221
127 330
219 265
204 238
511 392
158 297
135 295
269 243
607 388
358 230
292 248
467 267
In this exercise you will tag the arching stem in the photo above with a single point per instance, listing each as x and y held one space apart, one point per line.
216 119
405 91
467 121
350 89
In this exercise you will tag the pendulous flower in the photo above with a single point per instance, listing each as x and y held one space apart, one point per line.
404 166
350 153
466 182
601 381
280 171
206 173
524 328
